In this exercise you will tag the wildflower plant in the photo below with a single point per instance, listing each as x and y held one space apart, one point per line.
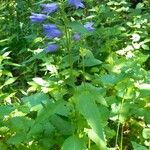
78 85
63 29
77 78
67 31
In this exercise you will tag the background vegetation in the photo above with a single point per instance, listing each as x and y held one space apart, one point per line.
101 100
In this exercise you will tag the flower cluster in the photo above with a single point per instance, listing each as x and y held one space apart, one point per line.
51 31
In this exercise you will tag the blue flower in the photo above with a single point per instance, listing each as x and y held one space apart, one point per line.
38 17
76 36
51 48
51 31
89 26
76 3
49 8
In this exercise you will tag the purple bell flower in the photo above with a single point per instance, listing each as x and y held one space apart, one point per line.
76 36
51 31
76 3
38 17
51 48
89 26
49 8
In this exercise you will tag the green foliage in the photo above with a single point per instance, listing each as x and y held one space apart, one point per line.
91 94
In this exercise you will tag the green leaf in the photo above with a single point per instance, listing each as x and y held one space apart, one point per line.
137 146
145 47
144 89
3 146
60 107
85 102
36 56
110 79
73 143
9 81
35 101
16 139
20 124
90 60
63 126
5 110
78 27
41 128
146 133
146 115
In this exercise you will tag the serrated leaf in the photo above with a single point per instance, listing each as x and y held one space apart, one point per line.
73 143
85 102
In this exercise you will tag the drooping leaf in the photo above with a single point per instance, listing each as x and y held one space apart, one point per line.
85 102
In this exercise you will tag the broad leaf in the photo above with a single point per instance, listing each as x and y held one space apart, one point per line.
73 143
35 101
63 126
5 110
137 146
85 102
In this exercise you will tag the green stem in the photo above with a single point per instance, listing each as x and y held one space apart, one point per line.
121 143
67 36
89 144
118 127
83 69
68 46
117 134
